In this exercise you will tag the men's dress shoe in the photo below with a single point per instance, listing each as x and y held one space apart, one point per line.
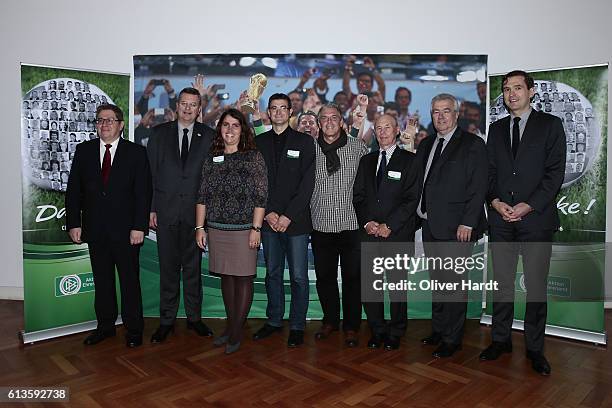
97 336
200 328
432 340
161 333
392 343
232 348
219 341
266 331
296 337
495 350
133 340
376 341
325 331
445 350
350 338
539 363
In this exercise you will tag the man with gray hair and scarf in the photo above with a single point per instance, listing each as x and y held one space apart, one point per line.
335 227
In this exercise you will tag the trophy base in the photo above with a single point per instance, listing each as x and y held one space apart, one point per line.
248 107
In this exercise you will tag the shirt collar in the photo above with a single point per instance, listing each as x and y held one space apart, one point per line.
389 150
190 127
447 136
523 117
113 144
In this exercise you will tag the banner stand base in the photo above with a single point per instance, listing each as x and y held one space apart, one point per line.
33 337
557 331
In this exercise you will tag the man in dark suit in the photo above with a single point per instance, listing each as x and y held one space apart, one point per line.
107 206
526 169
290 159
385 196
453 178
176 152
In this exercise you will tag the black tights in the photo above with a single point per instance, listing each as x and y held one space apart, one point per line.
237 298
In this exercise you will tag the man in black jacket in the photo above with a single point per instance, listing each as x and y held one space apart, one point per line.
526 169
290 159
176 152
453 178
385 196
107 206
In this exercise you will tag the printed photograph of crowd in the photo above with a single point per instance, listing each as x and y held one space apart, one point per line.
579 123
56 116
399 85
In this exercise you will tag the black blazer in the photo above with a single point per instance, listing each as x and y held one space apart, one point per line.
290 185
534 176
111 212
456 186
394 203
175 188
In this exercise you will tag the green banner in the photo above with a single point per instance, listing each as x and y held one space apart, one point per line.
579 96
58 112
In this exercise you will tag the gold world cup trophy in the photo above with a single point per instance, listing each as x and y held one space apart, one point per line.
256 88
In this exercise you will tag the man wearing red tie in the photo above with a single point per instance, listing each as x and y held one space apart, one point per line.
107 206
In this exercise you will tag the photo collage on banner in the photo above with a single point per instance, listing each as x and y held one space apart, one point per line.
57 112
579 97
401 85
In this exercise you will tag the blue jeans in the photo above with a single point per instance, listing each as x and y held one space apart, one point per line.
277 246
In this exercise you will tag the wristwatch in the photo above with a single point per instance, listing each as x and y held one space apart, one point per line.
257 229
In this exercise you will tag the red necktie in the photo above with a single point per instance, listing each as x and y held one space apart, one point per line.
106 165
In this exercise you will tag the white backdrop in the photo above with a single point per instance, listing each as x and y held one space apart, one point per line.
523 34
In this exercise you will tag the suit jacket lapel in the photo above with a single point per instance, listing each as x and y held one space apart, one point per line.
453 143
173 142
506 135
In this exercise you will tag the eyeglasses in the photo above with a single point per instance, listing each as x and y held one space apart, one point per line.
103 121
282 108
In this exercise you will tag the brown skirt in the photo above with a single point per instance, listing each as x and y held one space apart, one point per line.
229 253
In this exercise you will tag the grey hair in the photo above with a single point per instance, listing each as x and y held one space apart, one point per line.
330 106
445 97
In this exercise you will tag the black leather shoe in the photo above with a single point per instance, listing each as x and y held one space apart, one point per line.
445 350
133 341
350 338
376 341
97 336
200 328
325 331
432 340
539 363
161 333
392 343
495 350
266 331
296 337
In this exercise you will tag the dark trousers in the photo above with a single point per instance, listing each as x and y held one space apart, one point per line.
395 327
327 247
448 307
536 248
179 253
105 256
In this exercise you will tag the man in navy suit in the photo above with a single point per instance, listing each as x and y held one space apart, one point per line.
107 206
385 196
526 153
452 168
177 151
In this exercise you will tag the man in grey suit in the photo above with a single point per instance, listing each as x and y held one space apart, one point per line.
176 152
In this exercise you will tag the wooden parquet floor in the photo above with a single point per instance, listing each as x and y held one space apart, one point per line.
187 371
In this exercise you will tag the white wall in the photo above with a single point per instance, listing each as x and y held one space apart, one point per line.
523 34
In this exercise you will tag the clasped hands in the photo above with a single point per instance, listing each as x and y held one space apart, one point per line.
378 230
509 213
278 223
